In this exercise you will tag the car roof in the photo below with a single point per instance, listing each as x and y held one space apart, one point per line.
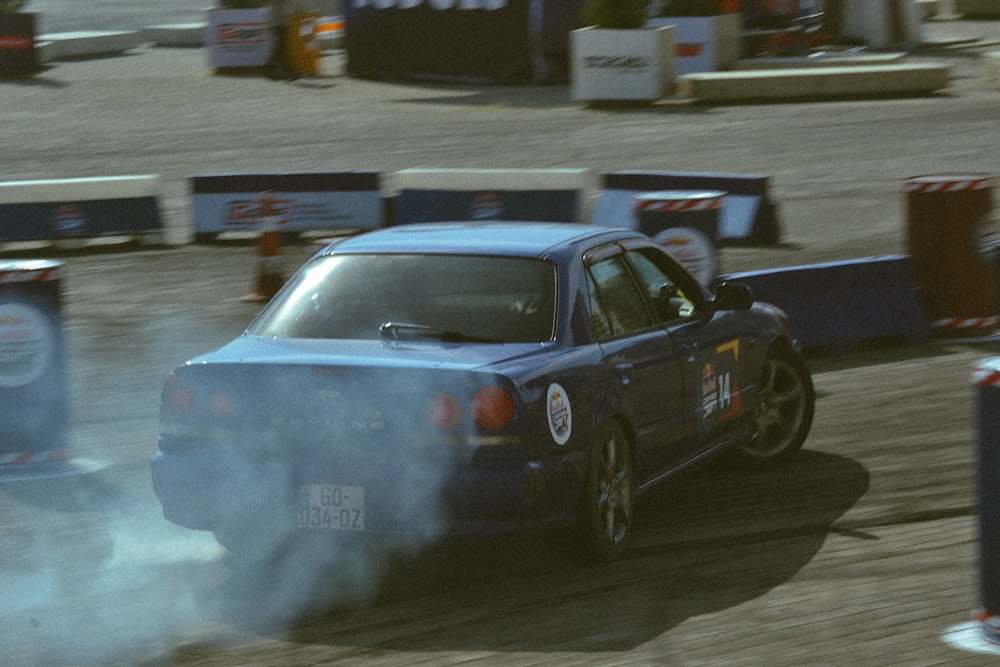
522 239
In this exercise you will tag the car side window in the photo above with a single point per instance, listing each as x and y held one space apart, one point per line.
620 307
598 317
672 297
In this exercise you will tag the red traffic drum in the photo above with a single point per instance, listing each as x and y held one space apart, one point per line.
18 53
686 224
953 239
33 395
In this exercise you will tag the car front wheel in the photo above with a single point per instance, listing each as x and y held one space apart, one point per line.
608 496
784 411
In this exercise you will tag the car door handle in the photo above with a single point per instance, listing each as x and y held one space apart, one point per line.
624 371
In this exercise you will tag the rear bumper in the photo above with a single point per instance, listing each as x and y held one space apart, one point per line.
211 494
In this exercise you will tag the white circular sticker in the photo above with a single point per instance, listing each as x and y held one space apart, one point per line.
560 414
26 344
692 250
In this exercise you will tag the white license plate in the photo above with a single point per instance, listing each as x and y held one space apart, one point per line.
332 507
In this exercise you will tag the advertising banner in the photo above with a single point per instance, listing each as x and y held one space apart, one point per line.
486 205
73 219
484 195
78 207
305 201
238 37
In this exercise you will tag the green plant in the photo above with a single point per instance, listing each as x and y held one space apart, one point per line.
242 4
11 6
690 8
616 14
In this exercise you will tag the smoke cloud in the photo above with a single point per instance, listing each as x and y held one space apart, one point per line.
94 581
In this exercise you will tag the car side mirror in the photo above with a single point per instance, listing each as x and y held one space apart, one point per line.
733 296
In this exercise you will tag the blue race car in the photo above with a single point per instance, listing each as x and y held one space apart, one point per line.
473 379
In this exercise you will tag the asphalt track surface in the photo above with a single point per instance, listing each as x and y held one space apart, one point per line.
861 551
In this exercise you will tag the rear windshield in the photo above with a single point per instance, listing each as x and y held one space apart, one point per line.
447 297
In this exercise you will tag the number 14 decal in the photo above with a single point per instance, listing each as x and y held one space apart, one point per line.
721 397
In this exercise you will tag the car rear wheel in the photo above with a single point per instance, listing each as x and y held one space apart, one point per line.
784 411
608 497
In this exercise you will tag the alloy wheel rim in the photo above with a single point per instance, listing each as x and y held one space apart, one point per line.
780 410
614 491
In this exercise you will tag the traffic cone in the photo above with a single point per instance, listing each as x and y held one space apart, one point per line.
270 276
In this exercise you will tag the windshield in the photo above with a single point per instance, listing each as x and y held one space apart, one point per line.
452 298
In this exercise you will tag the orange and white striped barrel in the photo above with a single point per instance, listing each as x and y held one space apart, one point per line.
952 237
679 202
686 224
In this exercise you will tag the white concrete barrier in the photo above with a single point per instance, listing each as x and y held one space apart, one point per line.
831 59
65 45
175 35
978 8
822 83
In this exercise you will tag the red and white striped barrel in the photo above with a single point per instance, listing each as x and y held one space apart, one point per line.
29 458
679 202
951 237
965 324
686 224
947 183
29 271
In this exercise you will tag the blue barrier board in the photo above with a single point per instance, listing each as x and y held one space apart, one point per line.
72 219
842 303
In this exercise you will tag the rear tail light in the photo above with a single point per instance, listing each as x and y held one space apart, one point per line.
221 403
179 398
492 408
445 412
182 400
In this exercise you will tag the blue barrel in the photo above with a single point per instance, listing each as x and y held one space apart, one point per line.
686 224
987 379
33 388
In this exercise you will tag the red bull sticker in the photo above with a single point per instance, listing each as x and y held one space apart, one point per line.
560 414
27 344
720 395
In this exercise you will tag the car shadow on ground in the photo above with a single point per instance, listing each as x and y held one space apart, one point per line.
709 541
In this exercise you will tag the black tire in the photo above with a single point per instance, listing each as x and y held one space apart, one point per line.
784 410
608 499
